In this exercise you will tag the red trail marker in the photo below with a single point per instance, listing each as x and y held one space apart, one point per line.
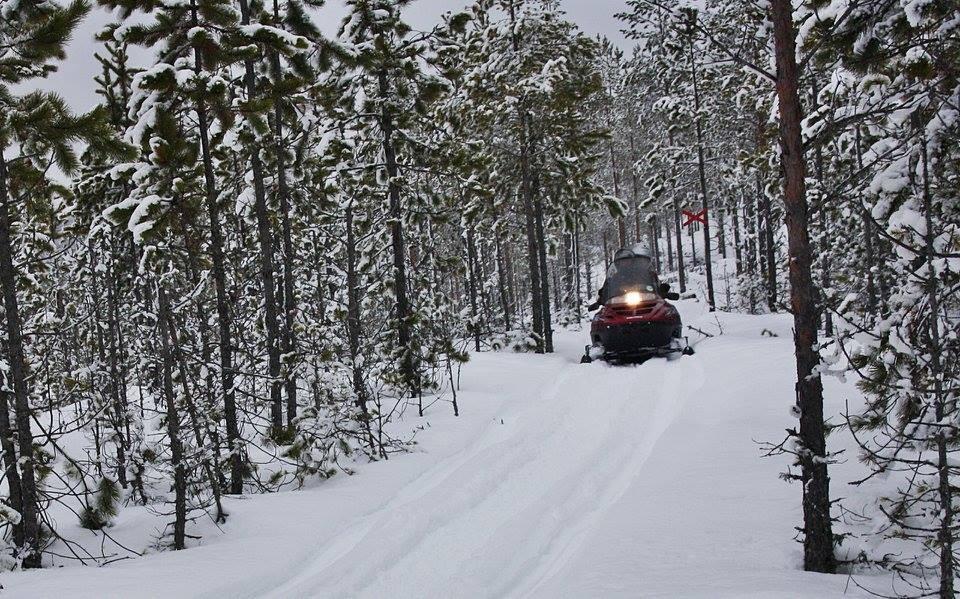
699 217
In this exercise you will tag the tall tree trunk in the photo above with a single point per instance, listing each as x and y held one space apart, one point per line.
533 261
288 340
589 275
118 385
529 210
210 471
868 239
173 423
354 326
825 227
511 281
265 239
722 229
818 534
621 222
668 236
567 278
227 374
702 175
944 461
653 242
753 252
767 252
577 285
606 251
397 241
638 227
737 250
21 482
544 276
502 281
472 268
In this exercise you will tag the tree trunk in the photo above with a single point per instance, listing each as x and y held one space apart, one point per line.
209 470
397 241
289 339
818 534
22 488
533 262
472 268
220 286
621 222
868 239
265 239
668 236
544 276
173 424
568 276
702 174
722 229
577 283
767 252
354 327
502 281
654 243
944 462
737 250
638 226
118 386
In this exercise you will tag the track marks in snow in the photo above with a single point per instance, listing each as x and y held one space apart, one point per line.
678 382
505 513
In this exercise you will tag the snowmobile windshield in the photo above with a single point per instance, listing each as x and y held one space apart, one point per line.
630 274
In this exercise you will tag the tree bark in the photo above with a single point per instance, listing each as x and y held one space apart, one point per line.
21 482
354 325
173 423
944 488
265 239
220 286
398 244
502 281
737 250
544 276
638 226
289 335
472 269
621 222
668 237
818 534
118 386
533 261
702 175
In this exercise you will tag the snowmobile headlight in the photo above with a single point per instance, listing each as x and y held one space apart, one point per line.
634 298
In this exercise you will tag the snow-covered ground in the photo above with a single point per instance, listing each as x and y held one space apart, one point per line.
558 480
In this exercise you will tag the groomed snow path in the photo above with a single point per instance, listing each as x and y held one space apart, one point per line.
559 480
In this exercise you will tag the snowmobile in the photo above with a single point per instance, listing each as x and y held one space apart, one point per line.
635 321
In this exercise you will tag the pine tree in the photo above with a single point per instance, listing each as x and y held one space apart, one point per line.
39 129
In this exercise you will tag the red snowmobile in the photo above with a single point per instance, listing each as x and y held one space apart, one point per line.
635 321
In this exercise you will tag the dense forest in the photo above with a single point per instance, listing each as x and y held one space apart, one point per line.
268 244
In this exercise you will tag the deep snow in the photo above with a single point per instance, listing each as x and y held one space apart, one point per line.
558 480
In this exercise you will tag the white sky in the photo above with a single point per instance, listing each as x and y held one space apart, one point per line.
74 80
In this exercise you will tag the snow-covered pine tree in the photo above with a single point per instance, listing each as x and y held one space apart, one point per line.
37 132
546 149
894 115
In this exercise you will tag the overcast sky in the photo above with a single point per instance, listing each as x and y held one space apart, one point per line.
74 80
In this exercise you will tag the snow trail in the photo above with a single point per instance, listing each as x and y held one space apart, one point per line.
520 496
558 480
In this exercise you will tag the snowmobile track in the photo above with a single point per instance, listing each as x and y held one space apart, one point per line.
525 492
